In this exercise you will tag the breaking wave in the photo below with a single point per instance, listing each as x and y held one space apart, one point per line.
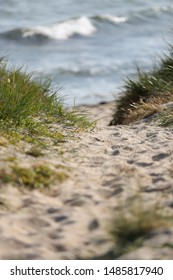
61 31
110 18
83 26
101 69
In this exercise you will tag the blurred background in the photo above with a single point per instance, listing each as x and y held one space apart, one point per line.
86 47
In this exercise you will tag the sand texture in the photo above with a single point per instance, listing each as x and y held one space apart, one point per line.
107 167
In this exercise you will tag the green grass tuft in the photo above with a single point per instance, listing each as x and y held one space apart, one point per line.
153 88
35 152
131 227
28 108
165 119
35 177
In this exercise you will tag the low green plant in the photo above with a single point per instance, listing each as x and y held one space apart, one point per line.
35 177
155 87
3 204
62 166
3 141
168 245
11 159
132 226
166 118
35 152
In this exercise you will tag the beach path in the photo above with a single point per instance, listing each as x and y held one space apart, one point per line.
110 169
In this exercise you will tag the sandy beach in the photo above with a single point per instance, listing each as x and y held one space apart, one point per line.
109 169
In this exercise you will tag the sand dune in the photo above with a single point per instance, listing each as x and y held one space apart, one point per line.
107 167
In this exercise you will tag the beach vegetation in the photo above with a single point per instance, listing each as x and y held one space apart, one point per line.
35 151
3 204
11 159
65 167
145 94
132 226
38 176
31 111
165 118
3 141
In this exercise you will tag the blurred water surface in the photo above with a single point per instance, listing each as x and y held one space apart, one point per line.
88 47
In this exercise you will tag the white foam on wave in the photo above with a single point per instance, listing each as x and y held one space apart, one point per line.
64 30
113 19
82 71
155 11
90 69
159 10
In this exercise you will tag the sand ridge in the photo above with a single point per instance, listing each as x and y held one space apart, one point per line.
109 165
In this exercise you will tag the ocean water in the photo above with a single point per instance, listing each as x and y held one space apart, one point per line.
86 47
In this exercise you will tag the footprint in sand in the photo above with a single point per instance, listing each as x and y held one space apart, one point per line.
160 156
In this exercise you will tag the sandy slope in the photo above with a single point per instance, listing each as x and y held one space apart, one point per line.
109 165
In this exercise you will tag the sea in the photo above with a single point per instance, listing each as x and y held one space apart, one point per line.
88 48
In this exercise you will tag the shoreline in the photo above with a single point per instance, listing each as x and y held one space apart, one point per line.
110 169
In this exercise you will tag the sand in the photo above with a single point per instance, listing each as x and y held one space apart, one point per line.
110 169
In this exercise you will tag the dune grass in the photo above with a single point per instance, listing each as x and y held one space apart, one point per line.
165 118
33 118
28 108
38 176
145 94
133 225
